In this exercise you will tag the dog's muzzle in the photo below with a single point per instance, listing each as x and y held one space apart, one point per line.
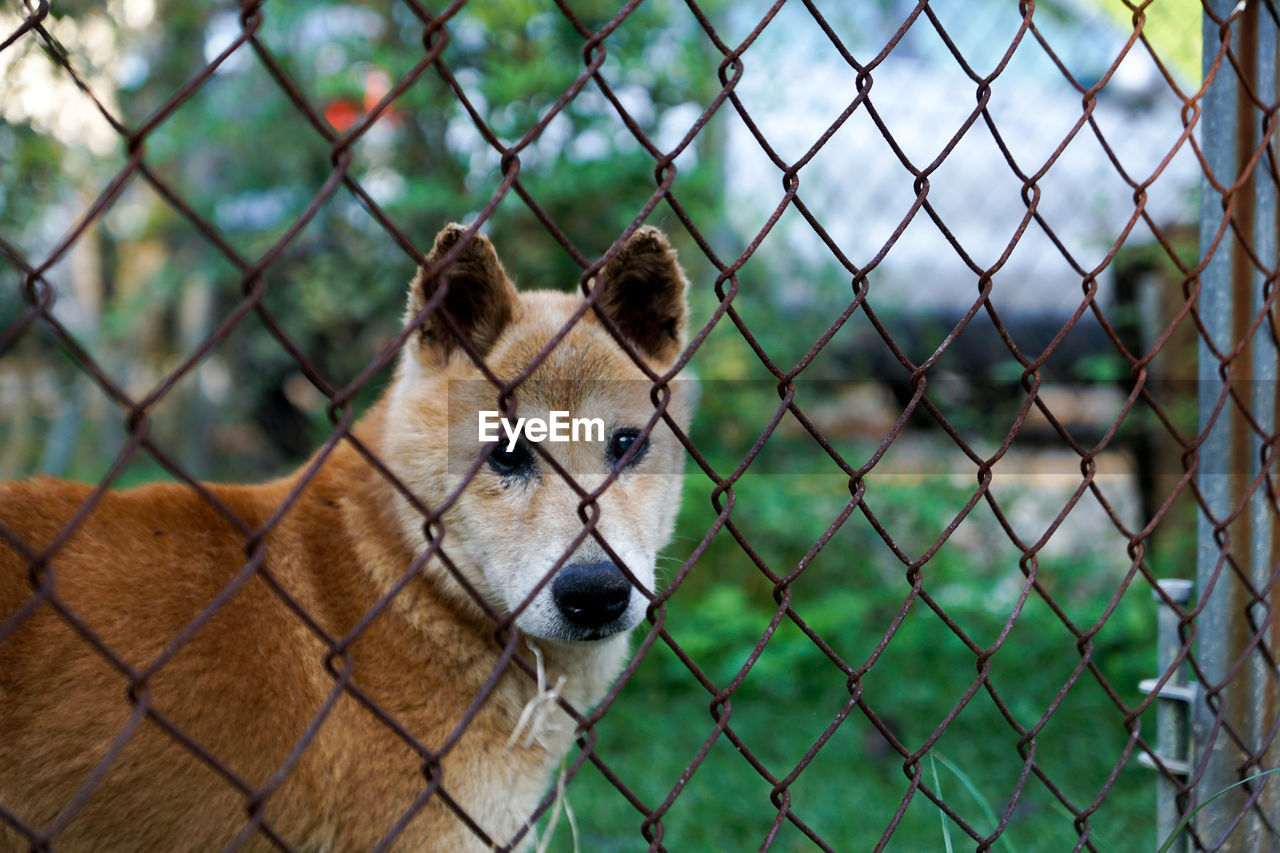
591 595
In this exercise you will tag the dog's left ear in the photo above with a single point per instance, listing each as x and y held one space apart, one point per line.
642 290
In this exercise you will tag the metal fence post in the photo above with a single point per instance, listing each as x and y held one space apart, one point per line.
1235 547
1260 702
1218 134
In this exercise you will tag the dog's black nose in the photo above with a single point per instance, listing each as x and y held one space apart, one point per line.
591 594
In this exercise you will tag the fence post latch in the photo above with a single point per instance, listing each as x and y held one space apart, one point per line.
1176 706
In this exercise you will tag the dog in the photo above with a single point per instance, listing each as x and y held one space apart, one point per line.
313 662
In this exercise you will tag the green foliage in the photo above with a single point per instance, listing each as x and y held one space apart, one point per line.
248 162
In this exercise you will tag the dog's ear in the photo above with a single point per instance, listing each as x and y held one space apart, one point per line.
642 290
480 299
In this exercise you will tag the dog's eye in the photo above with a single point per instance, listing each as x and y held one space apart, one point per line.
622 441
517 461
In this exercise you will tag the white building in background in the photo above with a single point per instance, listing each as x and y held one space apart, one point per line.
796 84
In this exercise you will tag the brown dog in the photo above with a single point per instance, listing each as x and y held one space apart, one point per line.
381 742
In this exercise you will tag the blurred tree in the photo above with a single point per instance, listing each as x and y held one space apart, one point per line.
249 162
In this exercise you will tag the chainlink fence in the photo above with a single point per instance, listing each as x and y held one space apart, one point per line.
926 535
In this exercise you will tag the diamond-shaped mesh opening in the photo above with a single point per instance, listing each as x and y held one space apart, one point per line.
250 202
961 410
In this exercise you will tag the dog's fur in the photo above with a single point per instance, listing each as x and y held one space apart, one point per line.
247 684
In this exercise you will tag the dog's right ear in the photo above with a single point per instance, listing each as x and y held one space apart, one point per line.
480 299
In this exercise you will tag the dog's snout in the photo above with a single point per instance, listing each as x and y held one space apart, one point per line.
591 595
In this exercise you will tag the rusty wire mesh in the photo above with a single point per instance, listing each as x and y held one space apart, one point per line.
1021 726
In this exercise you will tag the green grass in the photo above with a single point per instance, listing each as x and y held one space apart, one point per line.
849 594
